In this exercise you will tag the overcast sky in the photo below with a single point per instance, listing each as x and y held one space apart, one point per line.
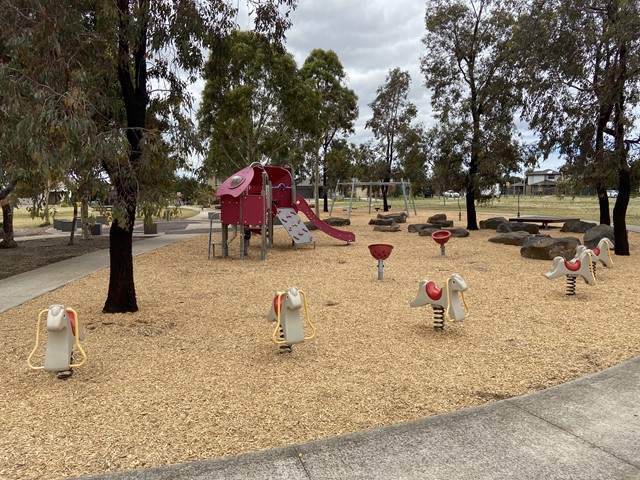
370 39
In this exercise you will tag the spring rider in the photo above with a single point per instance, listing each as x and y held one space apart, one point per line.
63 333
448 302
601 253
285 311
582 266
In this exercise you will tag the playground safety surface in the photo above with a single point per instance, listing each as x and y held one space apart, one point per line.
194 376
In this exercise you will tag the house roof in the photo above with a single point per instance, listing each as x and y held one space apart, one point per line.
544 183
548 171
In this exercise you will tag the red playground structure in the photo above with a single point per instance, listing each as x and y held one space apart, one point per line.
251 199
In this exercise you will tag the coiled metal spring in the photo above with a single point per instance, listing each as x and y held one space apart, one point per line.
571 284
438 317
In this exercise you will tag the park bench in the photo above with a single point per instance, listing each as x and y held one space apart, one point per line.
544 221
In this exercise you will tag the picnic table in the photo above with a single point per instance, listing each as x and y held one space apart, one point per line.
545 221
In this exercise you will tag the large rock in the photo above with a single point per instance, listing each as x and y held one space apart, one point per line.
443 223
396 217
511 238
492 223
547 248
427 232
593 236
309 225
577 226
387 228
437 218
382 221
416 227
337 221
517 227
455 232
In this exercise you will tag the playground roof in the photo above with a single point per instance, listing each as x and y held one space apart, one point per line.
232 185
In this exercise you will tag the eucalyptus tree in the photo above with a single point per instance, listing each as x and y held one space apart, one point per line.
334 106
252 103
392 114
582 66
468 65
152 50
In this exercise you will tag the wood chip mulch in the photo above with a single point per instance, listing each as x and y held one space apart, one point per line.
194 375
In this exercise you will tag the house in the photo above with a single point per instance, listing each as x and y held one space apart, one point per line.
542 182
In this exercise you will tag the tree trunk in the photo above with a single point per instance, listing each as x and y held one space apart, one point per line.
122 291
603 202
325 198
74 221
7 228
472 221
624 174
133 83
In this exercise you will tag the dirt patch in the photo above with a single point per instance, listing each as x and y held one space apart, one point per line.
194 374
34 251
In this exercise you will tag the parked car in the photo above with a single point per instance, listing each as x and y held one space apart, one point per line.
612 193
451 194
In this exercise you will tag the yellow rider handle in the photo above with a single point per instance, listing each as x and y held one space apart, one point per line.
37 341
593 274
275 332
464 302
609 254
306 313
77 336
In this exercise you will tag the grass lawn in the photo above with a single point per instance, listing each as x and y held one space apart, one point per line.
22 217
584 208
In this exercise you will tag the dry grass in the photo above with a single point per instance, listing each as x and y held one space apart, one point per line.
194 375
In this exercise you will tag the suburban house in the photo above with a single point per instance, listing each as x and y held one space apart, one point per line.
542 182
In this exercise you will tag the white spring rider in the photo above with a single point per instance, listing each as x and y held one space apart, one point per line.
285 311
448 302
63 333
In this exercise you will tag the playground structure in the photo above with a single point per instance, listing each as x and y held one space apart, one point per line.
448 302
582 266
63 334
441 237
252 198
354 184
285 311
380 251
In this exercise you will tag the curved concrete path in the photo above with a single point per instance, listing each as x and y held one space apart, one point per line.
585 429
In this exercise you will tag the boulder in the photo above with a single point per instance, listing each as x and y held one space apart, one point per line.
426 232
310 225
542 247
458 232
593 236
577 226
382 221
511 238
416 227
492 223
337 221
437 218
517 227
455 232
443 223
396 217
387 228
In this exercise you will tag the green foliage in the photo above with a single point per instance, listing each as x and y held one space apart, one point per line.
252 103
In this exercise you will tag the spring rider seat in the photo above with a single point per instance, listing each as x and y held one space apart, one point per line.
448 302
63 333
285 311
582 266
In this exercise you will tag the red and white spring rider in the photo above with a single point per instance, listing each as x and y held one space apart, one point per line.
285 311
448 302
63 334
582 266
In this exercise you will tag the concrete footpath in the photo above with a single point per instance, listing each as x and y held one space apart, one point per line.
585 429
